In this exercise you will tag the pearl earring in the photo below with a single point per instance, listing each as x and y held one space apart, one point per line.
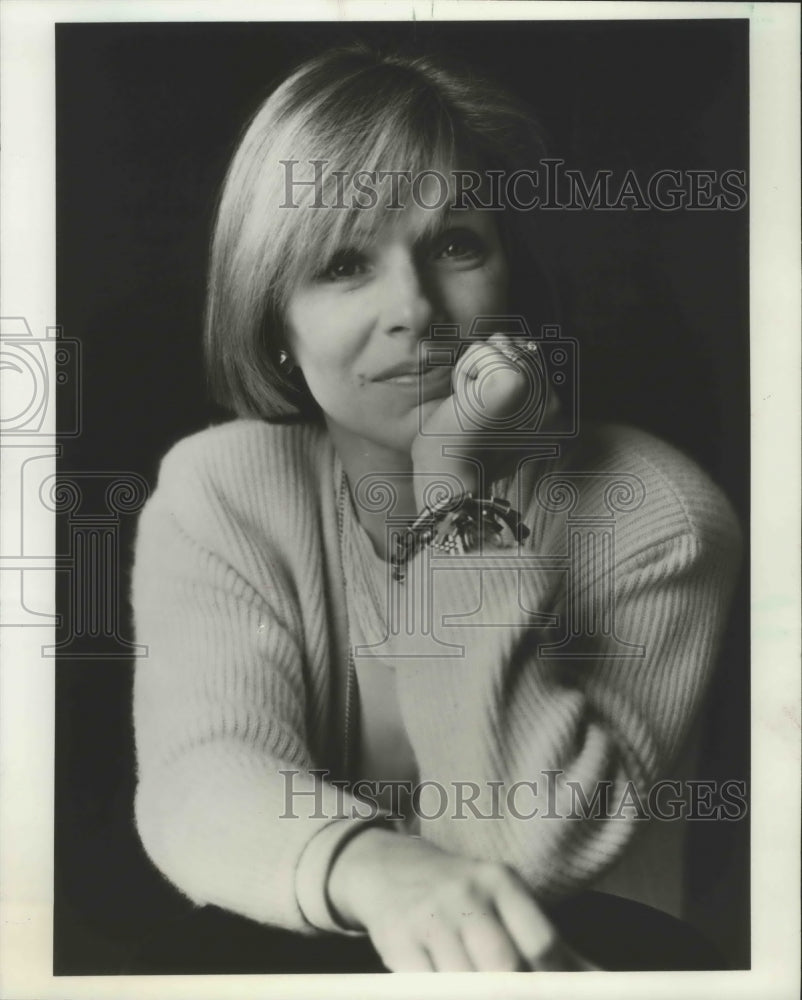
285 362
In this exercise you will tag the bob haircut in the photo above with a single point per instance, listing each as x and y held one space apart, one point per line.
355 110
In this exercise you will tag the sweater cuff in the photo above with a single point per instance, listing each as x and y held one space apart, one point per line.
312 874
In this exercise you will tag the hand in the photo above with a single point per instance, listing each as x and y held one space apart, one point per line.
493 392
428 910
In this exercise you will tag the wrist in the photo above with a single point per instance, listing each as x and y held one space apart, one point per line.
431 467
354 876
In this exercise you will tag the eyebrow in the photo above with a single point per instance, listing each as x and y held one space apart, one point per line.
446 218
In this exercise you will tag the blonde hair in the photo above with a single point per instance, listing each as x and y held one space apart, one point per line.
358 111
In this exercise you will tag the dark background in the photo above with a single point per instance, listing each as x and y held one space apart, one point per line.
147 118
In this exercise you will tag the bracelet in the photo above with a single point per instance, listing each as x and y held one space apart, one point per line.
456 525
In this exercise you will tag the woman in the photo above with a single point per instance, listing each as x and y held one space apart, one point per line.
372 704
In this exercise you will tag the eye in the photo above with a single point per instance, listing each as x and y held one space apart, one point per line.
344 266
459 245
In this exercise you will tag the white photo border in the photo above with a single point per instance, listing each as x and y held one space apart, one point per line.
27 685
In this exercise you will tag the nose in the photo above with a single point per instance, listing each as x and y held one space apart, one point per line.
408 298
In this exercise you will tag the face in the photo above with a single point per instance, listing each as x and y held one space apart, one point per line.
355 330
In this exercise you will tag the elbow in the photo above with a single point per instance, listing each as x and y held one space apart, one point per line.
160 832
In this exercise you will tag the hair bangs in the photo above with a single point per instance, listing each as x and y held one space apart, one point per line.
382 149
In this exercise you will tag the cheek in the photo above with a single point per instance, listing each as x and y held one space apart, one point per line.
322 335
326 335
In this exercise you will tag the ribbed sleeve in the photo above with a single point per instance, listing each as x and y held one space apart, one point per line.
226 805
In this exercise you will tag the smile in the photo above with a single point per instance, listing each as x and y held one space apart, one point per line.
408 378
428 382
416 376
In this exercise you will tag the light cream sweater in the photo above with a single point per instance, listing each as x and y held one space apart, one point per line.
252 581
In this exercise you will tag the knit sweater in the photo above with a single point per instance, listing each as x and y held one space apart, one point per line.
522 674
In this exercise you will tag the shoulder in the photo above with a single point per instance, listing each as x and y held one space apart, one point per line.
244 474
235 447
241 456
656 495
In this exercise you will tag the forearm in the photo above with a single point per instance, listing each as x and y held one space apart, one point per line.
222 825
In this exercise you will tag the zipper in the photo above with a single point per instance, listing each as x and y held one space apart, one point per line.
349 714
350 678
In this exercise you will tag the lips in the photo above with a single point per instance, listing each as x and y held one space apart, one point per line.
425 382
403 370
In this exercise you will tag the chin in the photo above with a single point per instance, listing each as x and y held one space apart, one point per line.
402 439
427 409
394 431
420 416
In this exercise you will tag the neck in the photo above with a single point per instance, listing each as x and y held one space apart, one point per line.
361 458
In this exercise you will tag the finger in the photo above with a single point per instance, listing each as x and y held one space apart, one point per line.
488 386
475 355
403 954
488 944
525 356
510 349
531 930
465 368
502 392
465 387
462 374
523 347
502 358
446 950
517 388
503 343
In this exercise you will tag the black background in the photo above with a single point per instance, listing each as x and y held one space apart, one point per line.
147 118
